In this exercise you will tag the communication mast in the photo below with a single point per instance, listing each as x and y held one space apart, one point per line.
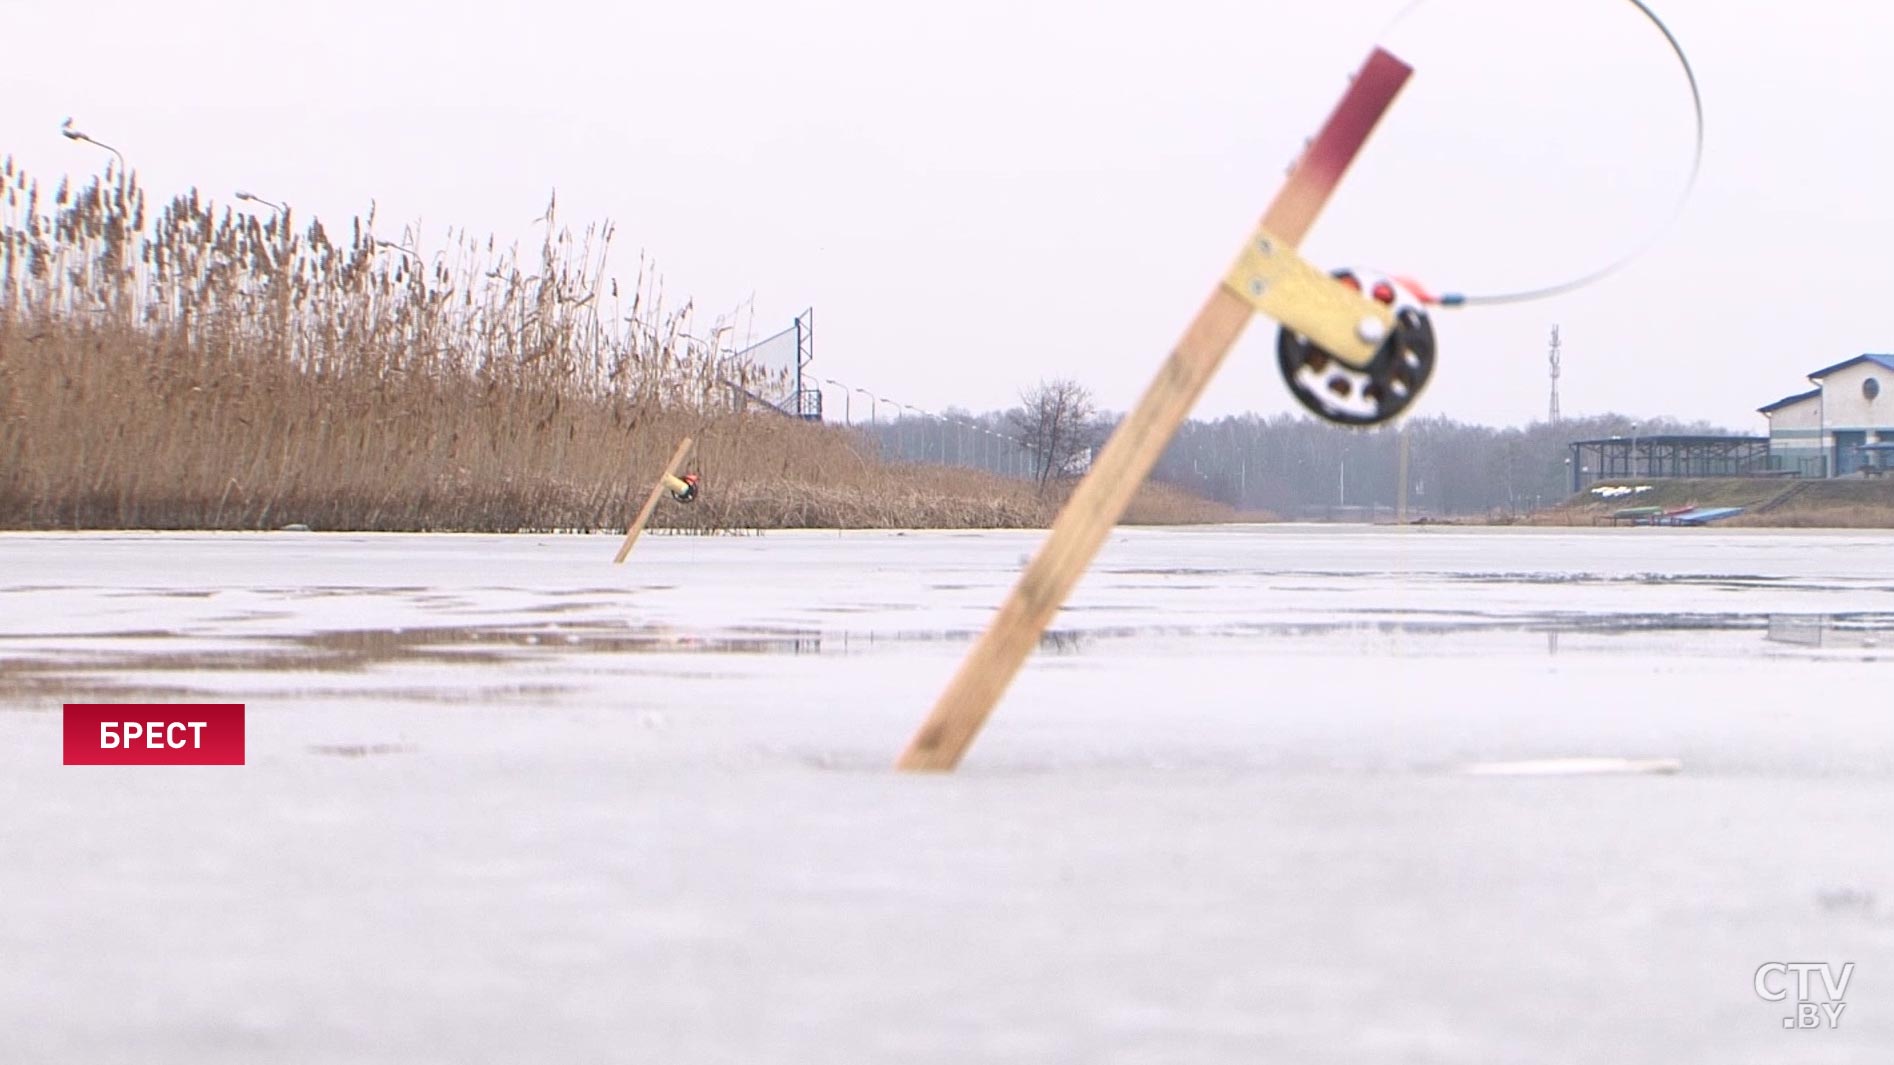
1552 356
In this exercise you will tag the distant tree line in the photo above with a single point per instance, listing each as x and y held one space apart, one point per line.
1289 465
1050 436
1295 466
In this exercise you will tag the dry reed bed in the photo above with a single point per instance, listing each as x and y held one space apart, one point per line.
201 368
105 435
1859 517
1843 503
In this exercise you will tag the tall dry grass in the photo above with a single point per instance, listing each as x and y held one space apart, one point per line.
1791 503
204 368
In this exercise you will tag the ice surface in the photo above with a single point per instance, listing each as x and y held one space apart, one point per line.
508 802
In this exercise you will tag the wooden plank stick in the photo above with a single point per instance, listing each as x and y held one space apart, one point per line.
651 501
1100 498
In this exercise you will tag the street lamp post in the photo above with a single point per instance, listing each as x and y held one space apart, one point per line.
248 197
900 434
66 131
847 419
923 416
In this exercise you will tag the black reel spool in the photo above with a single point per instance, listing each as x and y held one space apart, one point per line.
1340 393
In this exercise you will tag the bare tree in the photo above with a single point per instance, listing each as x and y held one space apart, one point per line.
1057 422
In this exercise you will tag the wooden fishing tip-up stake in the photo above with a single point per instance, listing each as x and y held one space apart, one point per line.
1270 277
665 481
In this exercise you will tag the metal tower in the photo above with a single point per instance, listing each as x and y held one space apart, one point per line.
1552 412
808 400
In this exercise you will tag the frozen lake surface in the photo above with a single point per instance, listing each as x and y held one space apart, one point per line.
506 802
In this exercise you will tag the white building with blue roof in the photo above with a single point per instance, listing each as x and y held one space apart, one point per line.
1845 424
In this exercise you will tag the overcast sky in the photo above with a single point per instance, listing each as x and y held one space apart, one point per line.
979 193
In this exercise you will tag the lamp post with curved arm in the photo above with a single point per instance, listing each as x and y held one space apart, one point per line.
961 439
847 406
900 426
66 131
249 197
923 417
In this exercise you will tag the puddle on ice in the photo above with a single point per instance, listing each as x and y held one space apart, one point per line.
28 663
866 627
399 617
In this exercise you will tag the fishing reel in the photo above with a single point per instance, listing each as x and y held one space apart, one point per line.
1372 394
683 489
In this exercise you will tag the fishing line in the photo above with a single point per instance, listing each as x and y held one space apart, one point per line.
1375 392
1457 299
